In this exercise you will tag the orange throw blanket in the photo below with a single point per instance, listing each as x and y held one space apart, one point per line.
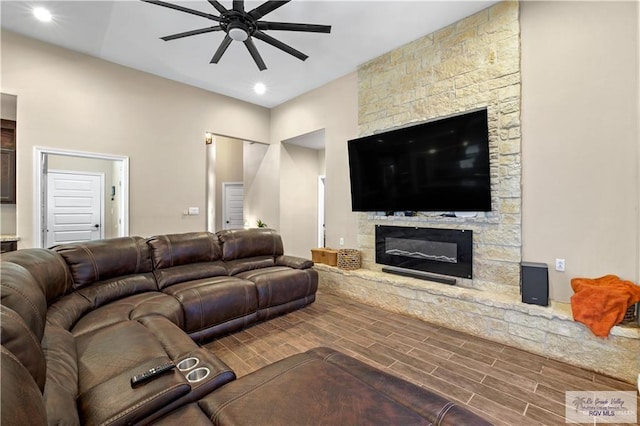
602 302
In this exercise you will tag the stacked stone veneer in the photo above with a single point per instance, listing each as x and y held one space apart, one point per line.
471 64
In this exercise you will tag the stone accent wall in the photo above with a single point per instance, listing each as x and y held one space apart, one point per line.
470 64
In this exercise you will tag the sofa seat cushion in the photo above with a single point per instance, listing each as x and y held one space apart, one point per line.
130 308
116 402
323 386
279 285
218 303
109 351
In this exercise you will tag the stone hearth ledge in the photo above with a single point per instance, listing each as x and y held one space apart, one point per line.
546 331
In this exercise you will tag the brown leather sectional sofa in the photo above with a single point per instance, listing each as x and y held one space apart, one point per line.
79 321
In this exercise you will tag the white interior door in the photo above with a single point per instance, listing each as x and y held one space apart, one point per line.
74 207
232 205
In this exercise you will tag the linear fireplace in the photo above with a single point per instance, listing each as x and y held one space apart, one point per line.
414 251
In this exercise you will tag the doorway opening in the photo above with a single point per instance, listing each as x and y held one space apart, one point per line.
64 190
243 168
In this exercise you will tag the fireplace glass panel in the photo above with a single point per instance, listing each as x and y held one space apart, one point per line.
422 249
435 250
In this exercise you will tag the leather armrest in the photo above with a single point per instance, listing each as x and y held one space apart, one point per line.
219 375
116 402
293 262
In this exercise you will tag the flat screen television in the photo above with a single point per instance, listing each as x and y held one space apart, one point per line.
440 165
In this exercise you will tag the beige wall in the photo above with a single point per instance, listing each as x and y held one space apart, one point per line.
299 171
334 108
75 102
228 169
580 139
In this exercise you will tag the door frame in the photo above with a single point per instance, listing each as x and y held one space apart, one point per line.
101 195
225 186
39 193
322 182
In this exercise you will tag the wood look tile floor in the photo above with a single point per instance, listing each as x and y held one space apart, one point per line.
505 385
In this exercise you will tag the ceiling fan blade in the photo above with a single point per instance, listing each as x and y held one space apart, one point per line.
238 6
219 7
191 33
287 26
255 54
265 8
223 47
280 45
183 9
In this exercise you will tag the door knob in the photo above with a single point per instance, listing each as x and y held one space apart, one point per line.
96 226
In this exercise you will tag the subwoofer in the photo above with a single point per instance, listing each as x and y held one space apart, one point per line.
534 283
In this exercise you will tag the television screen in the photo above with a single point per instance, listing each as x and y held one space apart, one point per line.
441 165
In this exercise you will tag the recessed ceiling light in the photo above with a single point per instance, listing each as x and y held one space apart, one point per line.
260 88
42 14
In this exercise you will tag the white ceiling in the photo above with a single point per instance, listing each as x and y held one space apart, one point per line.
127 32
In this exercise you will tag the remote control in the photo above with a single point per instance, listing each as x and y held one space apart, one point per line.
151 373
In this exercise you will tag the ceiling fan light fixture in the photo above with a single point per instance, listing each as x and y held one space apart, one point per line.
237 31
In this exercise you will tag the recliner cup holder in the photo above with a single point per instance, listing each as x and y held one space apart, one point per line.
197 375
188 363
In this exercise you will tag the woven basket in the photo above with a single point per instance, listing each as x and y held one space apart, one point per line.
630 315
349 259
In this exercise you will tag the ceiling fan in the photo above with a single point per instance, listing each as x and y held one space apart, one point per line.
240 25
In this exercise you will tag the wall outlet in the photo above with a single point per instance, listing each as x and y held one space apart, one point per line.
194 211
341 241
560 265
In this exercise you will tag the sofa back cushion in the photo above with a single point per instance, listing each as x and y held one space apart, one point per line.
100 260
46 267
18 339
23 311
22 402
185 257
61 388
21 293
182 249
245 243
